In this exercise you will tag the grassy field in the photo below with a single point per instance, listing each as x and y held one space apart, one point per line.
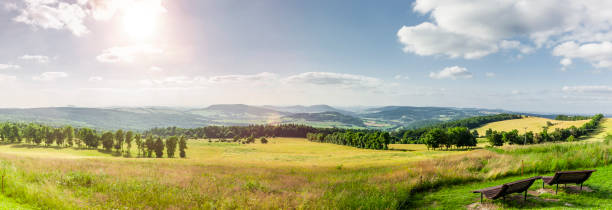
285 173
534 124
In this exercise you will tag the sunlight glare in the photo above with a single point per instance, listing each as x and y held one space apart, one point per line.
140 21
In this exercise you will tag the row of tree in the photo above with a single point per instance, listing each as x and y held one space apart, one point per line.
459 137
413 136
228 132
571 118
378 140
572 133
68 136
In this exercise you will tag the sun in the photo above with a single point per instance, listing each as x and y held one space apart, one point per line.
140 21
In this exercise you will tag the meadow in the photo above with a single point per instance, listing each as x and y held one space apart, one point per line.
285 173
530 123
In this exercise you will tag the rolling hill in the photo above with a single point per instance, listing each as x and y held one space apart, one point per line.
142 118
343 120
534 124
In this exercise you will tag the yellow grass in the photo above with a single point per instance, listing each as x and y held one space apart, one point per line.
534 124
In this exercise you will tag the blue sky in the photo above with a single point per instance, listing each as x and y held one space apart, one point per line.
546 56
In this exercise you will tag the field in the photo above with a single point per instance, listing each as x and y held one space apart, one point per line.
534 124
287 173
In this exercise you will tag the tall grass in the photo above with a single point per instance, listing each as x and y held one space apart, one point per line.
113 183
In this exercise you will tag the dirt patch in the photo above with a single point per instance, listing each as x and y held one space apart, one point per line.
482 206
576 189
542 191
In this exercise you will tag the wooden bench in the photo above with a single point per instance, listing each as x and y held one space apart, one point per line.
502 190
567 177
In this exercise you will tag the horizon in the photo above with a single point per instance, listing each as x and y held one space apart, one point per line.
343 108
195 53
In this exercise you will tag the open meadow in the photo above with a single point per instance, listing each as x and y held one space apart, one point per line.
285 173
530 123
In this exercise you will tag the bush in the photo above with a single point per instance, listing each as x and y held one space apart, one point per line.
264 140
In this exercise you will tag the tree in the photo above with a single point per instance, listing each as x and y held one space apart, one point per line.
107 141
30 133
171 146
59 136
69 134
434 137
159 148
475 134
512 137
183 146
128 139
119 137
150 144
48 136
495 138
139 145
251 139
263 140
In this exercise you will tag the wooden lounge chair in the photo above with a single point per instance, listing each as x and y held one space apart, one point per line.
567 177
508 188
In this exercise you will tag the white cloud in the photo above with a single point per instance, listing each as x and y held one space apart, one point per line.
50 76
588 89
37 58
515 45
330 78
52 14
490 74
7 78
156 69
9 66
127 53
598 54
244 78
476 28
95 78
452 72
429 39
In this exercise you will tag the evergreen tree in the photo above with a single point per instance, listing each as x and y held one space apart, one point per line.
138 141
150 144
183 146
171 146
128 140
119 137
159 147
107 141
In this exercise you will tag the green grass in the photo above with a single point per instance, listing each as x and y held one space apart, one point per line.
8 203
460 196
285 173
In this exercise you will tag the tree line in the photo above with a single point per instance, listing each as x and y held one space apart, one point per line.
572 133
240 132
414 136
459 137
571 118
378 140
67 136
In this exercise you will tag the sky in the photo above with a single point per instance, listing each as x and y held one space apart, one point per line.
541 56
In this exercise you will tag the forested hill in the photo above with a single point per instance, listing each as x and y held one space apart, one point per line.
106 118
143 118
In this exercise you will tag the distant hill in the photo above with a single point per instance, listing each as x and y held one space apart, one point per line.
413 117
325 117
134 118
239 114
308 109
141 118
